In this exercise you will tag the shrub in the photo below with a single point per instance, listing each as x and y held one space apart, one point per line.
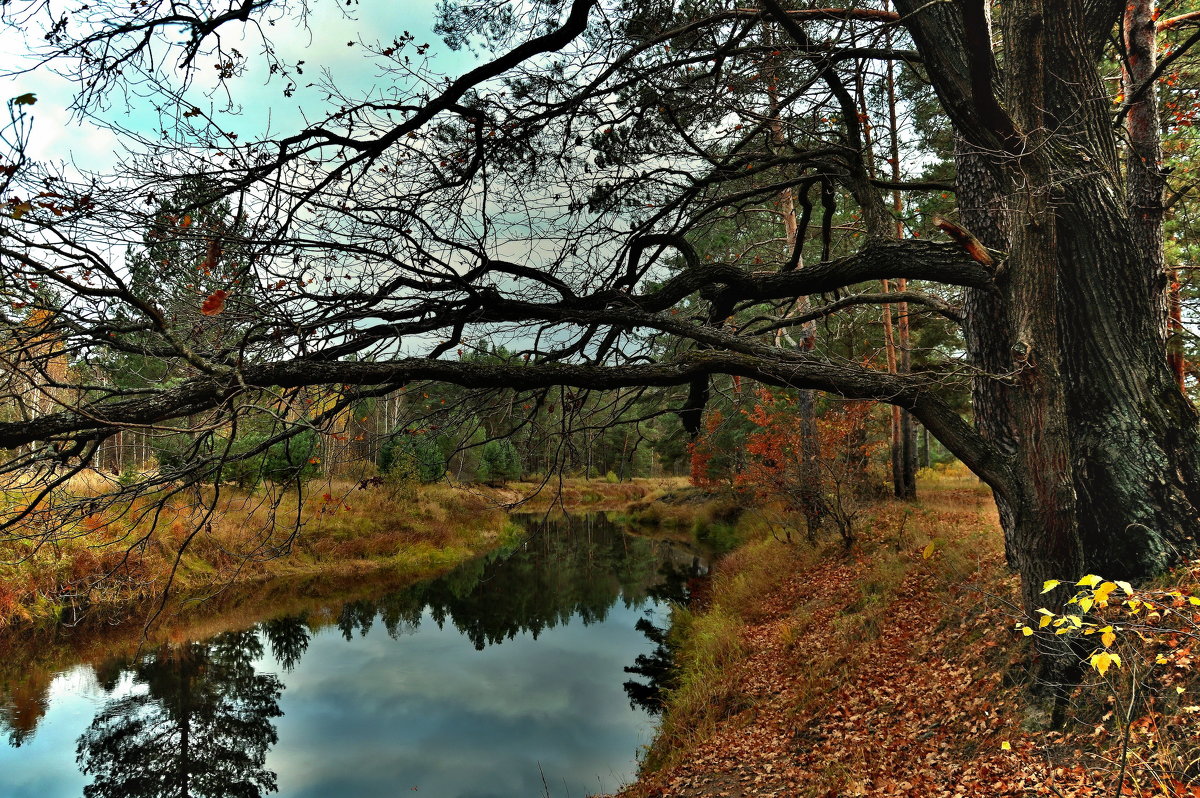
499 462
415 457
173 451
293 458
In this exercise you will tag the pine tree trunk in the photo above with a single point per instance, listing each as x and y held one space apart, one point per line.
1144 179
811 498
906 453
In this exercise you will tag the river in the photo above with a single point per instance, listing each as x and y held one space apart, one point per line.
503 679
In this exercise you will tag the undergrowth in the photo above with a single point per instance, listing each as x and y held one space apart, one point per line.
902 667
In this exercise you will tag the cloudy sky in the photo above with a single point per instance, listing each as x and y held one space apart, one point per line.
259 104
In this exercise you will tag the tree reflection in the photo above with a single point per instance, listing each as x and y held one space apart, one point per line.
198 719
573 567
201 727
289 638
659 667
22 705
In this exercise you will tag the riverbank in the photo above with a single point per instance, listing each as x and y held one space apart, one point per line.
120 559
506 663
895 669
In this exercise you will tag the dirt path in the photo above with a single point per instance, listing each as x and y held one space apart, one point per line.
855 693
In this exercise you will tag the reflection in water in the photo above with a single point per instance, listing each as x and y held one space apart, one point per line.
289 639
564 571
659 667
200 719
202 726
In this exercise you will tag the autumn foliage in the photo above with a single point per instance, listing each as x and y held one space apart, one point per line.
214 304
816 476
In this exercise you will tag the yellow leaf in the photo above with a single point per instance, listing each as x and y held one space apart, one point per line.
1101 661
1103 591
1005 746
1107 636
1025 630
1116 659
927 552
1044 622
1194 601
1161 660
1075 619
1126 587
1091 580
1085 604
1049 585
1043 611
1179 690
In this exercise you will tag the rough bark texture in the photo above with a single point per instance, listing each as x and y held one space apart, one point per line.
1076 383
985 322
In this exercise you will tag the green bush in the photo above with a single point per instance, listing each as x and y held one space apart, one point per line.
173 452
293 458
499 462
416 457
718 536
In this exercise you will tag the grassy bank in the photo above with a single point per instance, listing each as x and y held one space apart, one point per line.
819 602
125 555
897 668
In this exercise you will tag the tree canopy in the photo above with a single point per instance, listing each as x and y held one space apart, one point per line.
634 195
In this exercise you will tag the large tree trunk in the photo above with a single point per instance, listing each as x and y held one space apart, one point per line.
1106 475
986 327
1131 434
1074 382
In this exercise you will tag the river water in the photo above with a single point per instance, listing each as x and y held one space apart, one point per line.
503 679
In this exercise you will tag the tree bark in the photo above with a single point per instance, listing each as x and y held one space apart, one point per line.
906 485
1144 179
1075 382
811 494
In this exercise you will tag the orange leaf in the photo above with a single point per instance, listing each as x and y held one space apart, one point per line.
215 303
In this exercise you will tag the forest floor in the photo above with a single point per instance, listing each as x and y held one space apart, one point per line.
895 669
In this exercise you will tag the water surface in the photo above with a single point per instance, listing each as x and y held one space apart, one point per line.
505 678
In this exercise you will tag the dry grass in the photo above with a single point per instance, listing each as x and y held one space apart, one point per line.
593 494
128 553
819 603
712 649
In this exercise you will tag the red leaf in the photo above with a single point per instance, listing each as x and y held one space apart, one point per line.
215 303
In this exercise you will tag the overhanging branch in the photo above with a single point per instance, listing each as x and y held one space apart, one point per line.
916 393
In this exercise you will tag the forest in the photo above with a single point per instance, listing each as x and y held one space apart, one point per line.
801 255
